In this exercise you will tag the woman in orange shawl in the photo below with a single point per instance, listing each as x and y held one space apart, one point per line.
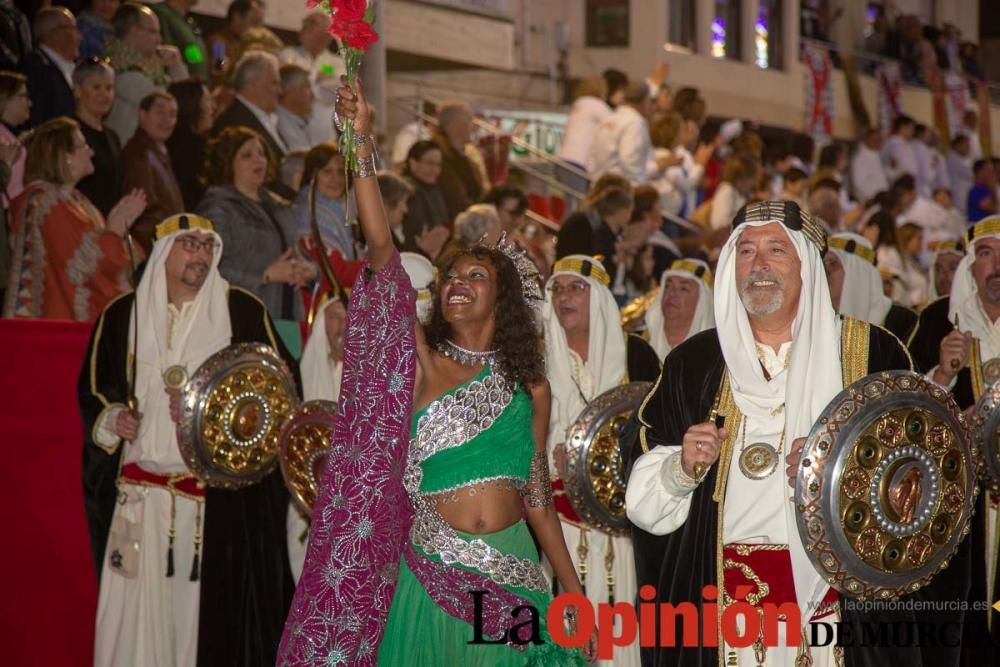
67 261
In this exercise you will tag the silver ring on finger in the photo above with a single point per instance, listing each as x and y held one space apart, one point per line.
698 445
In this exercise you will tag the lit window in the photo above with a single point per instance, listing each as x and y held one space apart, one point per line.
726 29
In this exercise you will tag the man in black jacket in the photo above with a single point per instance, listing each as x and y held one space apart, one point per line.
258 87
49 67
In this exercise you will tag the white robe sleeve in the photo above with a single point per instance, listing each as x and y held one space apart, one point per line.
658 494
104 433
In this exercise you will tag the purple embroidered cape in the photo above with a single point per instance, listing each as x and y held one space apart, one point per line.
362 517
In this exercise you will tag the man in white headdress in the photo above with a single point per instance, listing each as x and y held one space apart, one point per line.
856 286
226 602
322 361
957 343
945 262
586 354
750 390
321 367
682 305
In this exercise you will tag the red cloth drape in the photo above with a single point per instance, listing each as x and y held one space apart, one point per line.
48 606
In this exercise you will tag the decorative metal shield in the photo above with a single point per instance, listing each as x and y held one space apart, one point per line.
633 313
885 486
592 469
234 407
305 442
986 436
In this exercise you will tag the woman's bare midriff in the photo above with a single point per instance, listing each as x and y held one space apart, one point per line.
493 508
478 508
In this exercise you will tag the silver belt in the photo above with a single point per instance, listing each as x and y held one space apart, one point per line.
432 534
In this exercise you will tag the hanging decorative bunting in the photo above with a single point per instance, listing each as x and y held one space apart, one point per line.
890 103
957 95
819 94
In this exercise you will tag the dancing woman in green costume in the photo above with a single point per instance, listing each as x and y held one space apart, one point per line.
476 473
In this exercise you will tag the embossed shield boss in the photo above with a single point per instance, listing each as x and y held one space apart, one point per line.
304 444
886 486
234 407
986 433
592 469
991 371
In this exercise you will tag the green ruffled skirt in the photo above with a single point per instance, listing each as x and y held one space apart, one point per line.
421 633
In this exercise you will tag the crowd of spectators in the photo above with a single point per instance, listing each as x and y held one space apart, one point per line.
154 120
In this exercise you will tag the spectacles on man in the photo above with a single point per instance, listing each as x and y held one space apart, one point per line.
192 245
575 287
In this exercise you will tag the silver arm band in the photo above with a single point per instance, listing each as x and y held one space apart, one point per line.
367 166
539 488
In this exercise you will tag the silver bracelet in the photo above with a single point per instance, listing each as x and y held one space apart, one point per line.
362 140
366 166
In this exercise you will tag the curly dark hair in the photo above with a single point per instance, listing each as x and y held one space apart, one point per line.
222 150
517 339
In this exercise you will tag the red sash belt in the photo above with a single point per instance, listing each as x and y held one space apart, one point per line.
183 483
754 565
562 504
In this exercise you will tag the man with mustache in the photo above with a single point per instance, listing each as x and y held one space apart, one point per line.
701 490
586 354
227 600
957 344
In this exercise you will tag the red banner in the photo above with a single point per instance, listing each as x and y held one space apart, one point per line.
890 102
819 94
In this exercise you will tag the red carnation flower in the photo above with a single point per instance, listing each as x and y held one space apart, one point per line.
356 34
351 11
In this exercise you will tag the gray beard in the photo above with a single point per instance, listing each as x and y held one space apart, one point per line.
762 303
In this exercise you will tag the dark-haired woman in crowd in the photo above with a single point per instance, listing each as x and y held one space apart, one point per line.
325 165
475 481
186 146
427 225
256 227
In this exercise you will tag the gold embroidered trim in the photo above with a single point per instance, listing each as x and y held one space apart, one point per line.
93 362
852 247
985 227
854 344
698 271
97 424
181 222
976 369
588 268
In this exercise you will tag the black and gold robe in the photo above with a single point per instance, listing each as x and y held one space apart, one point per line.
246 583
681 563
925 348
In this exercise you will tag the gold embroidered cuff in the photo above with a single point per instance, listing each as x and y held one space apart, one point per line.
103 433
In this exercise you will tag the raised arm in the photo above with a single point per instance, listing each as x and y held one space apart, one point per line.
353 107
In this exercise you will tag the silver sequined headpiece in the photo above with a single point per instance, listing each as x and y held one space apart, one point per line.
531 279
